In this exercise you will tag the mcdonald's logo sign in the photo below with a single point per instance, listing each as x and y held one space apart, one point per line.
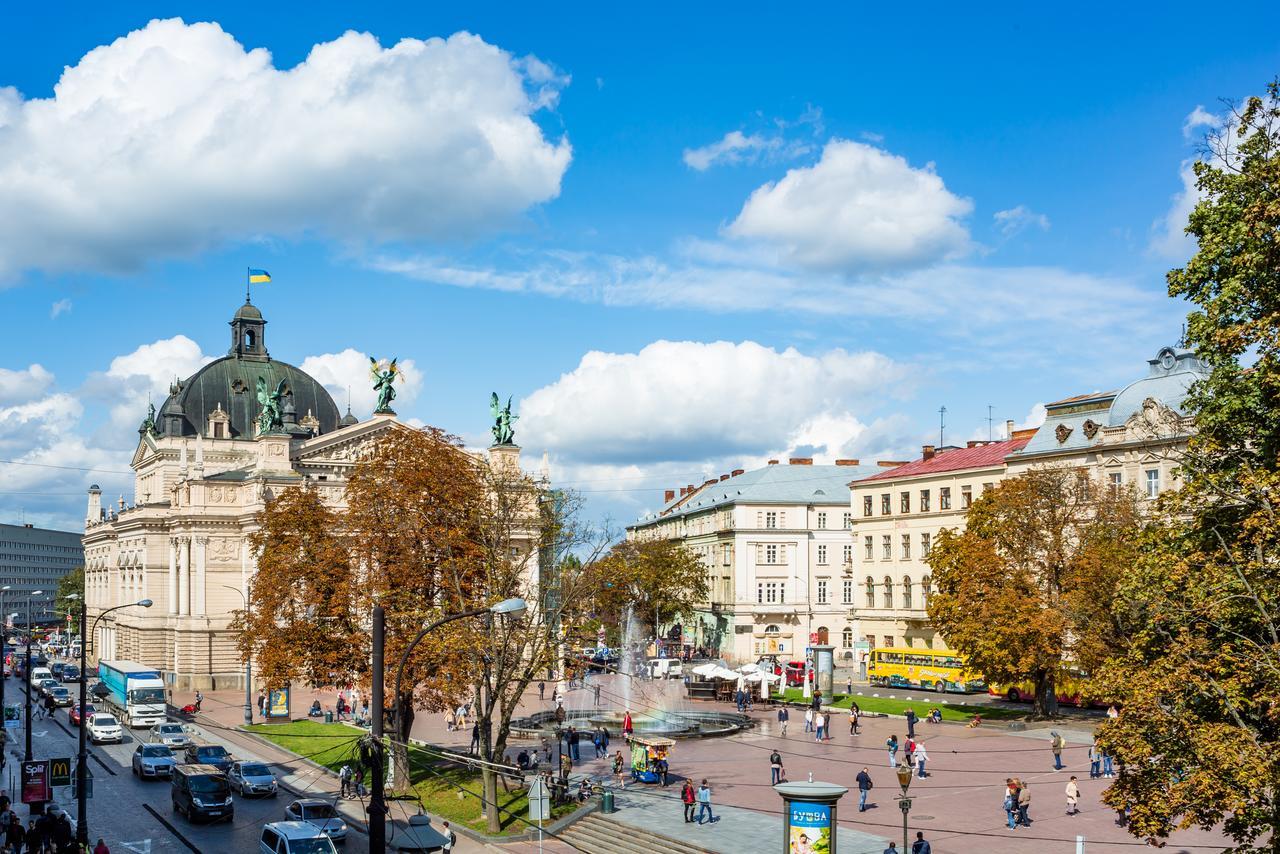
60 772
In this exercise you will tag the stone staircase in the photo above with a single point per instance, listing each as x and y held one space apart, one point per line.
598 835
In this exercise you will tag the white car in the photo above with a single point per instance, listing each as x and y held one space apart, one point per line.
171 734
320 814
105 728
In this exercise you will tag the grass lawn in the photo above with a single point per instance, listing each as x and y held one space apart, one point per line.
950 711
444 789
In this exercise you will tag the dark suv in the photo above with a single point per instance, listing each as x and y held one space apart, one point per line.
209 754
200 792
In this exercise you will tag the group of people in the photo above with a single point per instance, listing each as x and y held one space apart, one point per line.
914 753
455 719
699 800
48 834
351 781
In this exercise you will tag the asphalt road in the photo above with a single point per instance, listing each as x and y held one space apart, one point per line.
136 816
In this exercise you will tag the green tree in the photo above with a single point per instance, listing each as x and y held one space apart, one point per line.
1198 735
1026 588
71 584
660 580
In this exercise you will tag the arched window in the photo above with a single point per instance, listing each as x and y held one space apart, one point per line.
906 592
771 630
846 637
871 592
887 596
249 338
823 635
926 587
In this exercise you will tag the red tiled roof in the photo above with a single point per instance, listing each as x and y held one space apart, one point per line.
981 456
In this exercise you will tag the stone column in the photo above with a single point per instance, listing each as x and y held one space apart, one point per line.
173 577
184 576
198 584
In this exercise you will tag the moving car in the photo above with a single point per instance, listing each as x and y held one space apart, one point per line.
174 735
74 713
61 696
320 814
200 792
71 673
56 669
39 673
252 778
293 837
104 728
153 760
214 755
44 686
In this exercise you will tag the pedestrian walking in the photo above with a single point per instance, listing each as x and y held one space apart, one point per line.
475 738
912 720
199 700
922 756
604 737
450 838
546 749
892 745
687 797
1056 745
850 688
808 720
344 781
595 689
618 764
1107 769
775 768
783 717
910 750
449 720
1024 804
627 727
595 742
704 803
921 845
566 765
1095 761
101 847
864 786
574 738
262 705
542 690
819 726
358 781
892 849
1011 802
854 714
1073 796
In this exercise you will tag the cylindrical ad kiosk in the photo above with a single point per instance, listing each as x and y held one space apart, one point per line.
810 817
824 663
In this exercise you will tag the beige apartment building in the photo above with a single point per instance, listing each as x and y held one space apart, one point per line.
897 514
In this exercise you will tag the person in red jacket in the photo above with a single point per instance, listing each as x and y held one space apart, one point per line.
626 723
686 795
101 847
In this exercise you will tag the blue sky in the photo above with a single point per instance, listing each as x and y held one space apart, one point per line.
685 240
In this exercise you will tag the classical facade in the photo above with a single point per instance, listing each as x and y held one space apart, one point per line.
1129 437
225 441
897 515
777 548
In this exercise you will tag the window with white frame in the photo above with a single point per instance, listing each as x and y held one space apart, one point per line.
944 498
924 501
887 593
848 554
726 554
1153 483
822 554
770 592
1115 480
771 519
771 553
904 502
822 591
866 505
868 547
926 587
871 592
847 598
966 497
906 547
884 504
848 521
846 637
906 592
925 544
886 547
822 521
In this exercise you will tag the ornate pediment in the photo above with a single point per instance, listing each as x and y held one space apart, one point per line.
1062 432
1153 421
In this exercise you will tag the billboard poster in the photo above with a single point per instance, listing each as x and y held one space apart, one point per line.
810 828
35 781
278 703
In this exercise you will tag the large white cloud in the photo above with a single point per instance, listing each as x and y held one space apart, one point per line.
141 375
682 400
348 372
174 138
18 386
858 208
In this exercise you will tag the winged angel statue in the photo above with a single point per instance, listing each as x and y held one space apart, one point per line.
384 376
269 420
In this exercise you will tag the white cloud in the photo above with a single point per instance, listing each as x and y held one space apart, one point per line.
1035 417
683 400
349 370
859 208
60 307
1198 118
1014 220
23 385
175 138
1169 239
736 147
143 375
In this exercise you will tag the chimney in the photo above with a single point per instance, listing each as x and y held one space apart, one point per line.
926 452
1008 429
890 464
737 472
690 488
93 510
973 443
724 477
846 462
684 490
773 462
709 482
800 461
668 496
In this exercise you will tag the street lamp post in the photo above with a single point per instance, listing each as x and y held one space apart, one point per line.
377 809
4 641
904 802
30 640
248 666
82 757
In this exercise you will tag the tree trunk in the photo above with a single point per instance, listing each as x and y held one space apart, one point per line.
490 779
400 749
1046 702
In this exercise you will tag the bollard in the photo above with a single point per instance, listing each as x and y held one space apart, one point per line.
328 717
606 802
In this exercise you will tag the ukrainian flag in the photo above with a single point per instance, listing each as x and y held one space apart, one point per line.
259 277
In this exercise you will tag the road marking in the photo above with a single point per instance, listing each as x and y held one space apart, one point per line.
105 766
143 847
168 826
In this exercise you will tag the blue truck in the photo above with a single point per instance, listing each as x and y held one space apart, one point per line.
137 692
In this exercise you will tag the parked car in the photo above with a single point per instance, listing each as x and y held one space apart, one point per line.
200 792
174 735
104 728
71 673
153 760
209 754
75 714
61 696
320 814
56 669
44 685
665 668
252 778
293 837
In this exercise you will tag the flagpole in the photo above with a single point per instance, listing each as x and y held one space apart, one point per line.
246 284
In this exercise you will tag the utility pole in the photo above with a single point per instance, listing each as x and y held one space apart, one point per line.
942 426
990 432
377 809
82 758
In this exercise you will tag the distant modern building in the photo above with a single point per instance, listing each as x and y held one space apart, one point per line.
776 544
1134 436
34 559
897 515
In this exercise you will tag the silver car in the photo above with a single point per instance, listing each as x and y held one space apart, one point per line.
153 760
320 814
252 778
170 734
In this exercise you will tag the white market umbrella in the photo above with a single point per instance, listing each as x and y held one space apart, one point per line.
748 668
707 669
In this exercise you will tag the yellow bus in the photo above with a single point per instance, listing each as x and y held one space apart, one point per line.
938 670
1070 688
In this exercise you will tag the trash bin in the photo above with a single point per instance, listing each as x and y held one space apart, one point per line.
606 802
328 717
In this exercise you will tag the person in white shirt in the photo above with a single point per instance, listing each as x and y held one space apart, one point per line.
922 756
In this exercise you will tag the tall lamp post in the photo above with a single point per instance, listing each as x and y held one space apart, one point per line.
4 643
248 665
377 809
82 757
904 802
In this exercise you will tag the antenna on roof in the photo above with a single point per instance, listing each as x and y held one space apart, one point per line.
1182 341
990 434
942 426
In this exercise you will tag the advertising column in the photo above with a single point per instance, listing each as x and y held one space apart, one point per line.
824 665
809 817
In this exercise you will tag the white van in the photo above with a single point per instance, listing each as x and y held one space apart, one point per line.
38 673
665 668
